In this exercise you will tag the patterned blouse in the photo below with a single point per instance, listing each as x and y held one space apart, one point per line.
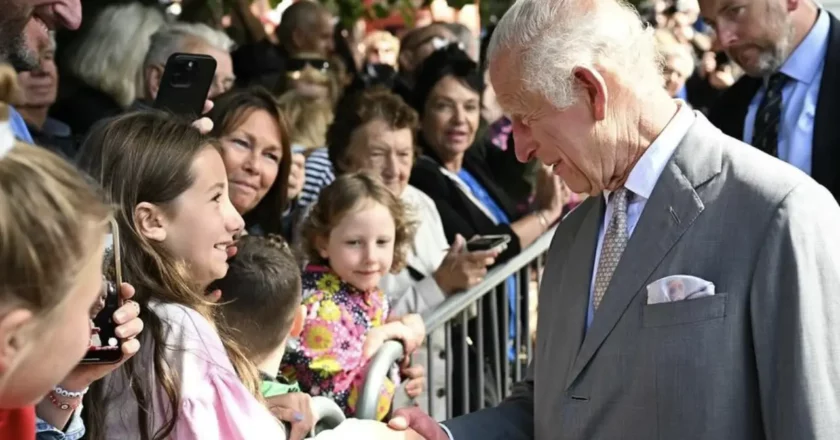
327 358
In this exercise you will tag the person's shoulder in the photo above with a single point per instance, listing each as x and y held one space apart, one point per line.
184 324
426 175
417 199
750 179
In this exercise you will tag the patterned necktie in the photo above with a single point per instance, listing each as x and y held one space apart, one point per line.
615 240
768 115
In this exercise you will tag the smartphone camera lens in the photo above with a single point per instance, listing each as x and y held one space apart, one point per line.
190 65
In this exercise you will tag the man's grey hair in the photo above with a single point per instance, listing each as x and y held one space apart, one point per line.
110 56
553 37
170 39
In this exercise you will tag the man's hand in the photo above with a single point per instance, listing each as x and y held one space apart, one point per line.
415 419
296 409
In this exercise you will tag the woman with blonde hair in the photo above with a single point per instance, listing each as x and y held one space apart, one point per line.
309 119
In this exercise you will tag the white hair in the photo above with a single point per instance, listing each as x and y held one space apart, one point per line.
110 56
553 37
170 39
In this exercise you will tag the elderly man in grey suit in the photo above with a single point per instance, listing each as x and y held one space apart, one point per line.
696 295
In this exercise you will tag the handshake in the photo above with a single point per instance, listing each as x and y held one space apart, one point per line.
407 424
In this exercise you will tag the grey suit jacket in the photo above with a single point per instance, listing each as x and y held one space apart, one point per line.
759 360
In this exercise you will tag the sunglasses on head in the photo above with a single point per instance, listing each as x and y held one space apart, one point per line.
296 64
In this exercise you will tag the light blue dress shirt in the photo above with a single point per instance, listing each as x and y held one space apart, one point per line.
804 67
18 126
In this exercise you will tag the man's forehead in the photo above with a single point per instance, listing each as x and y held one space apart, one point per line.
709 8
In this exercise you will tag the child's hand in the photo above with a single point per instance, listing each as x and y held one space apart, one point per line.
392 330
416 383
416 324
296 409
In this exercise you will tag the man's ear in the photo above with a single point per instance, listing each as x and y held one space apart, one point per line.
595 87
154 76
13 336
150 221
297 324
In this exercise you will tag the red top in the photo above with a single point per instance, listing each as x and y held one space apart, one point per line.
17 424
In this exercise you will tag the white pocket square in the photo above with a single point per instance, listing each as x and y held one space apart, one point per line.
678 288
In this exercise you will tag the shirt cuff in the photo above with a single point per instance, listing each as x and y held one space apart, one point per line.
448 432
75 428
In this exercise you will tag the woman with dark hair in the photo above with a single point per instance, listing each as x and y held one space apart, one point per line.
452 172
256 150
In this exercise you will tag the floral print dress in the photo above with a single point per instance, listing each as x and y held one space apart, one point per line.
327 358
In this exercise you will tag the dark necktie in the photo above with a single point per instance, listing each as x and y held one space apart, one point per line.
768 116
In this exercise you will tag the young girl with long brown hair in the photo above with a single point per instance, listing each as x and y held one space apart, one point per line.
178 228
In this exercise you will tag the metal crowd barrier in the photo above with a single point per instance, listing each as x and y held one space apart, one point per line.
468 314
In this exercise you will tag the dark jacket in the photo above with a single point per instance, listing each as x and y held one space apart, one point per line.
458 213
731 110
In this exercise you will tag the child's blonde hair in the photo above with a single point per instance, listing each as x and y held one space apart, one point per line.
308 118
345 194
52 219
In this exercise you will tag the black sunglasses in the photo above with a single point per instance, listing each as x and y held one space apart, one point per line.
296 64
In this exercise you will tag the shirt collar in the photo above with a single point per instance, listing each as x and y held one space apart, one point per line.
647 170
807 58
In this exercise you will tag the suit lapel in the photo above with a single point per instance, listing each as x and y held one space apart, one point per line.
670 211
826 155
578 272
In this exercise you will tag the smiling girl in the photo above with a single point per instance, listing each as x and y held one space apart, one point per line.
357 232
170 189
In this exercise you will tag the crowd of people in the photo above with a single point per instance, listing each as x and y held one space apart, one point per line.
327 194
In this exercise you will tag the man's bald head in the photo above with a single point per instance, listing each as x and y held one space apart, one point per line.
306 26
419 43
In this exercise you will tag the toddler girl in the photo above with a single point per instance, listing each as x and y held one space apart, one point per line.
357 232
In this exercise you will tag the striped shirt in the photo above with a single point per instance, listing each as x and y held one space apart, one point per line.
318 173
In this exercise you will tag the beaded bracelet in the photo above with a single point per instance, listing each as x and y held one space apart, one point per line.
64 406
70 394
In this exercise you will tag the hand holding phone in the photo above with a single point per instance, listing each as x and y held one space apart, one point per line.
185 84
105 346
488 242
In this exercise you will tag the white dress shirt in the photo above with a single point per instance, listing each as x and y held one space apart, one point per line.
640 183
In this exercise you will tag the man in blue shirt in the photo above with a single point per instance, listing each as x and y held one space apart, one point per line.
786 104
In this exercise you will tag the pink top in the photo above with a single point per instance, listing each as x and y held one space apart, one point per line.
214 402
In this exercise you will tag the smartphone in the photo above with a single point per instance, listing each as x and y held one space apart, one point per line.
185 84
105 347
488 242
721 60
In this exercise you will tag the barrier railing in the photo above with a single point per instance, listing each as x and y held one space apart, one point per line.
477 325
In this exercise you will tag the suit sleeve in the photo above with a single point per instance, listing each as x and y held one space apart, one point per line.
513 419
795 318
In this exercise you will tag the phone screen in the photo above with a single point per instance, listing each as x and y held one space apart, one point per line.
105 346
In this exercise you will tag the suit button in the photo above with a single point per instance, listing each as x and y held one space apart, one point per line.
442 354
441 392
